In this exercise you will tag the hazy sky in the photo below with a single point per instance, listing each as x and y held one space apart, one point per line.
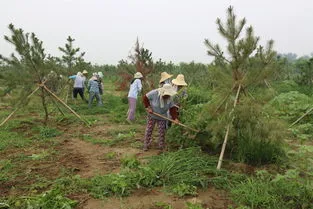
171 29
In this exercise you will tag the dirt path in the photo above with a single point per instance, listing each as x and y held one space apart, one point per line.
149 199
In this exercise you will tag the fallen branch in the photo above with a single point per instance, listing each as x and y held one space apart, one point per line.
310 110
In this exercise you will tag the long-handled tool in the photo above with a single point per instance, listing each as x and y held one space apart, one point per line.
173 121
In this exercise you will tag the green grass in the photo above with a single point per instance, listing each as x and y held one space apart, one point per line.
274 191
5 168
10 139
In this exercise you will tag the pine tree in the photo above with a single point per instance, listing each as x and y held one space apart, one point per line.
29 67
242 66
71 57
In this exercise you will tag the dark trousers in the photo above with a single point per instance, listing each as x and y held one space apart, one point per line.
79 91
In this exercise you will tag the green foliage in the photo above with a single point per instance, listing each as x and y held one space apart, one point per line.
70 57
302 131
116 107
187 166
226 180
185 169
198 95
285 86
47 132
183 189
29 67
280 191
301 159
291 105
130 161
304 71
53 199
111 184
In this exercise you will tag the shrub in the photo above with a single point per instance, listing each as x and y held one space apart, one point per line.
290 106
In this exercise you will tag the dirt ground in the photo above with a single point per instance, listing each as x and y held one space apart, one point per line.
87 160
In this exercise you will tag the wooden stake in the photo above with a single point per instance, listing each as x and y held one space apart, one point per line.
59 100
220 160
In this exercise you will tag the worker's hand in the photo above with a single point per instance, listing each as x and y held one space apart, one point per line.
149 110
176 121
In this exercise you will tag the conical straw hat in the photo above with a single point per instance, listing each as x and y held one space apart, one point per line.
179 80
165 76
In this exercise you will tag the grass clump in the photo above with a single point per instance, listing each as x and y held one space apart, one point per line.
52 199
110 185
274 192
187 166
130 161
183 189
184 170
47 132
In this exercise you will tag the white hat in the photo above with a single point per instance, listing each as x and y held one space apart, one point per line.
138 75
79 74
165 76
100 74
179 80
166 89
85 72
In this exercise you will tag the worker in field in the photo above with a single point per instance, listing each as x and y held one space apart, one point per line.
165 78
179 86
78 86
93 89
158 101
134 90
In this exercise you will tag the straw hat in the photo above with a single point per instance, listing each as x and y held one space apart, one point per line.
138 75
85 72
179 80
164 76
166 89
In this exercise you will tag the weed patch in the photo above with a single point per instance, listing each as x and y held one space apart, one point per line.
275 192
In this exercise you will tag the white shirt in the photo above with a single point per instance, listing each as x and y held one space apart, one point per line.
79 82
135 88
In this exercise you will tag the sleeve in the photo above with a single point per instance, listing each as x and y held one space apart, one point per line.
173 112
72 77
146 102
